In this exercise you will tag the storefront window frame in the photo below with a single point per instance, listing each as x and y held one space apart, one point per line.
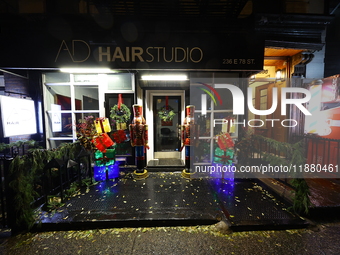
211 111
102 85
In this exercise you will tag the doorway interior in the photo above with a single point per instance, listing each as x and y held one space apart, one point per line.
165 113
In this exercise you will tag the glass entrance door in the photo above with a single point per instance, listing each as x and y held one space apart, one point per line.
166 124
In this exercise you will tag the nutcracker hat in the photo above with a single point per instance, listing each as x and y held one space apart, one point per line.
190 111
137 110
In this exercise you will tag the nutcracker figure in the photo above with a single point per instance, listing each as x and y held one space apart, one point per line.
189 131
139 140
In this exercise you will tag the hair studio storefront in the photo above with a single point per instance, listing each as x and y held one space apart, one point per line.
82 78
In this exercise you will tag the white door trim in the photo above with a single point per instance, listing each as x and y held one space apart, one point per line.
149 115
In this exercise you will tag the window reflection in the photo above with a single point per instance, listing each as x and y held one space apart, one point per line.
86 97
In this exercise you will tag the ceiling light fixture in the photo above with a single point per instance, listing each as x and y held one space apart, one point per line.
164 77
280 75
86 70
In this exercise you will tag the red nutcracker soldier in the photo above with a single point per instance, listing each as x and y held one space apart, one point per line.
189 131
139 140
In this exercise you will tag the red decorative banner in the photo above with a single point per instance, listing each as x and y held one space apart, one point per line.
120 100
167 103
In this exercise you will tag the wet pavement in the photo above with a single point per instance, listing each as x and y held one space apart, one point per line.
161 199
259 221
168 199
250 206
324 192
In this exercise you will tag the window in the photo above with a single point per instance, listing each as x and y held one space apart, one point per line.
210 119
70 98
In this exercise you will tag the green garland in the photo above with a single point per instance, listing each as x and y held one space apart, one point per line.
294 156
166 114
25 175
30 143
122 115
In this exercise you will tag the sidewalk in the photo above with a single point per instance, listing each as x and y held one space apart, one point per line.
324 196
167 199
195 240
324 192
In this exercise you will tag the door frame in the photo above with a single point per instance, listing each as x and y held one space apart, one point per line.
149 115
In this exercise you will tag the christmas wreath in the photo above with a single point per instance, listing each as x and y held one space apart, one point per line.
166 113
121 115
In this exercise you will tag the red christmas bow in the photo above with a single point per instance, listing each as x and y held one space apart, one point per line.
119 136
224 159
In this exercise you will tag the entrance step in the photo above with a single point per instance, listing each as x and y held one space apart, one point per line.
166 162
165 169
165 165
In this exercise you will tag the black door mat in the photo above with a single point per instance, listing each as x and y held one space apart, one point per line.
165 165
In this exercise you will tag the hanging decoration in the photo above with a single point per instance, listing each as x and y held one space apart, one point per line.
166 113
120 100
120 114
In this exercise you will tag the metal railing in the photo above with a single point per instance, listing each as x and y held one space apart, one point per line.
321 151
6 157
4 163
317 150
53 180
